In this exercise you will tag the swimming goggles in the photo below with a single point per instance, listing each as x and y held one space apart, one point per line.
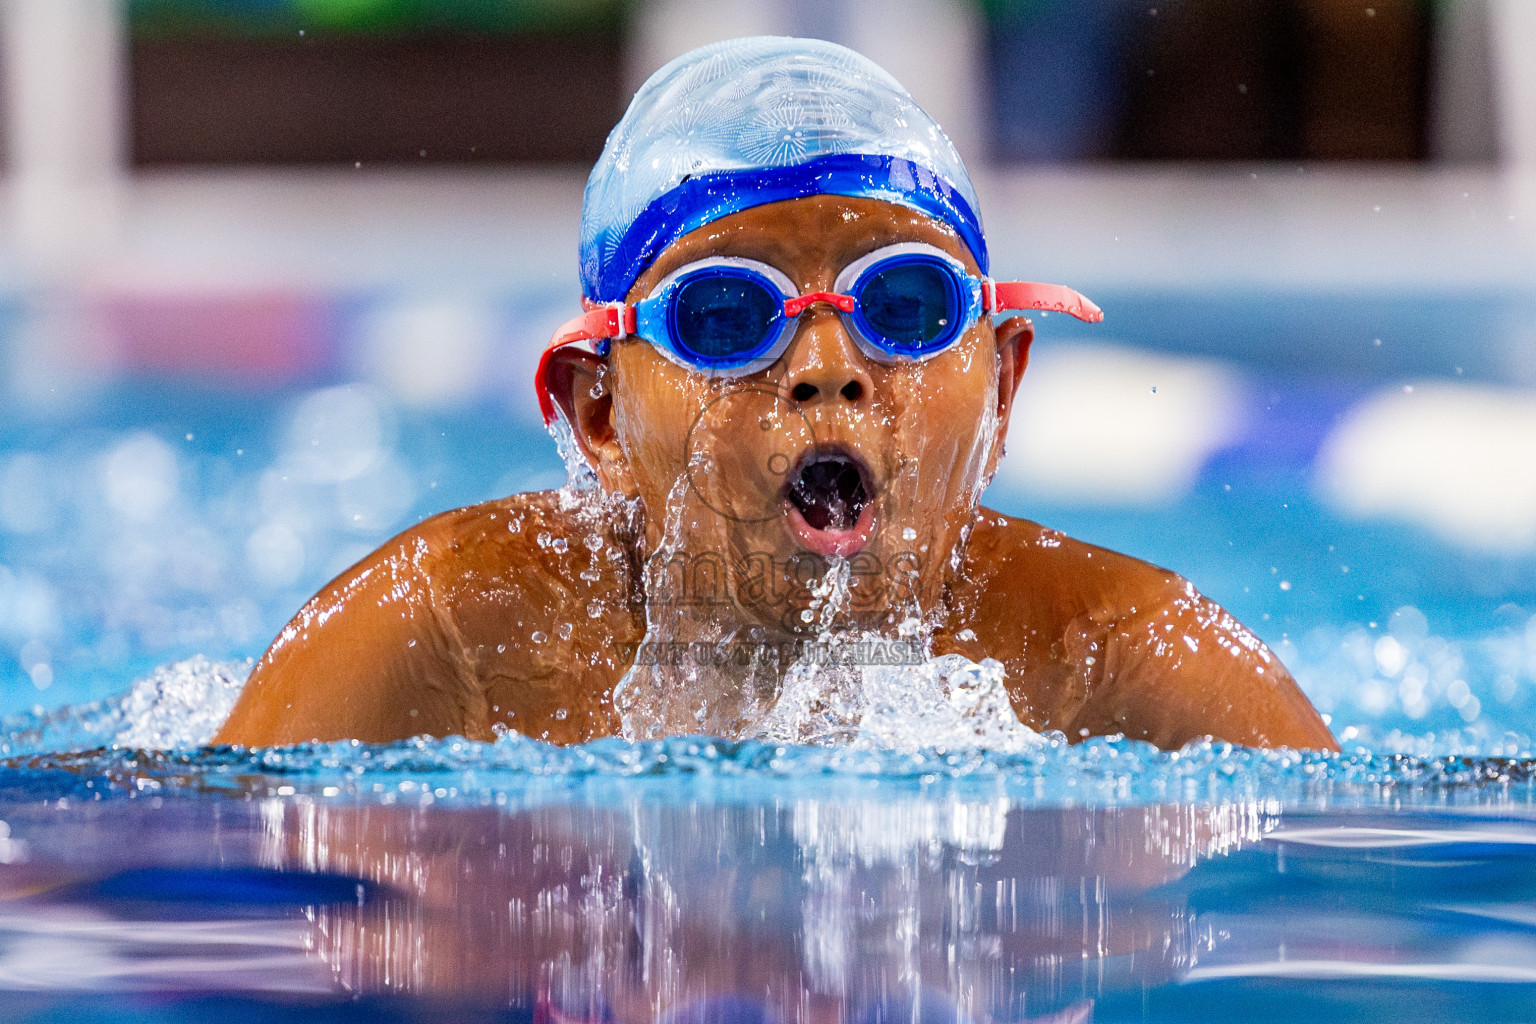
730 316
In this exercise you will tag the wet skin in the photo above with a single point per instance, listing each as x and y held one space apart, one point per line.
517 612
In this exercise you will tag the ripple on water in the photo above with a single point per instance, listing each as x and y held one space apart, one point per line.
153 741
517 771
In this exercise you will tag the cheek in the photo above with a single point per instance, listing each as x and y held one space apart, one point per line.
943 405
655 403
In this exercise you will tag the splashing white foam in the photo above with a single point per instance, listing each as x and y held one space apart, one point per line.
946 703
581 484
182 704
846 687
869 691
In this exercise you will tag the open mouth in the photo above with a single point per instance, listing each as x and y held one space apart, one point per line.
831 507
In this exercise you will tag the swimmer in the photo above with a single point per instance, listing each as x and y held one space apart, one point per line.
791 385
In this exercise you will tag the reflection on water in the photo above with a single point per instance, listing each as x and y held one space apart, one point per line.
813 908
711 901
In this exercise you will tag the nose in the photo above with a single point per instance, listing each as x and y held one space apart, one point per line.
823 364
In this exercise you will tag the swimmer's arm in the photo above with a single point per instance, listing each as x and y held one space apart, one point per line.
365 659
1185 669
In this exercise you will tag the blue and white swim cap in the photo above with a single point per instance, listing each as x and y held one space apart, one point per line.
745 122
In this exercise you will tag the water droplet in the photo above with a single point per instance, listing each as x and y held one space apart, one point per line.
539 636
909 534
594 609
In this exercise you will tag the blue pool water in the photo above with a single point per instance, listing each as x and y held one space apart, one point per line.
514 881
149 521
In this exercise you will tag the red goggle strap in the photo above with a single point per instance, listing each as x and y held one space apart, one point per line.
1000 295
607 323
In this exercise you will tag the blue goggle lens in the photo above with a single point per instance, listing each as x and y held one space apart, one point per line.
722 317
910 304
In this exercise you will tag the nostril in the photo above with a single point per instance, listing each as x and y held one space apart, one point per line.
803 392
852 391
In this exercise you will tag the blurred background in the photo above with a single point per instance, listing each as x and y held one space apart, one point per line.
274 275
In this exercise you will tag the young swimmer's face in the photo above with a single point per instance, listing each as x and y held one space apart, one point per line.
827 451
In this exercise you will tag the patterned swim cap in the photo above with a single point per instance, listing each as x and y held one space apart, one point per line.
745 122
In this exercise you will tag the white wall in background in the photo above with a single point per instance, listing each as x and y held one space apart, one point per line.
1513 33
1514 47
1463 122
64 68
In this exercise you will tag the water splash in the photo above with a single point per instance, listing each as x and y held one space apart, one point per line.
947 703
178 706
181 705
581 483
847 686
843 690
518 772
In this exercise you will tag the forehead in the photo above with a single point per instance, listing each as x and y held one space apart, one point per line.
808 238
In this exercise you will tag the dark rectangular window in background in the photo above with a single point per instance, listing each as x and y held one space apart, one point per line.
389 81
1210 79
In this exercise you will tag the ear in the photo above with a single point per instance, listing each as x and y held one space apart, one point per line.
1014 337
581 385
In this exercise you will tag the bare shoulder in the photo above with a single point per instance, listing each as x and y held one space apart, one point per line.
534 594
441 555
524 588
525 565
513 523
1100 642
1033 568
442 629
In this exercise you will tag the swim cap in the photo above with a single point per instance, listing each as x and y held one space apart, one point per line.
745 122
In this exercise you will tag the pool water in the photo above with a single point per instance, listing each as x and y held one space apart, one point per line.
697 880
155 533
